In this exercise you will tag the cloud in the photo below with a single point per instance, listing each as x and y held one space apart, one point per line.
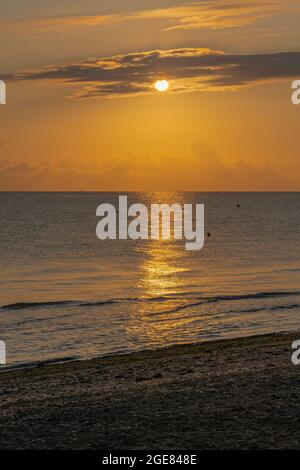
199 169
187 69
205 14
21 169
216 14
3 163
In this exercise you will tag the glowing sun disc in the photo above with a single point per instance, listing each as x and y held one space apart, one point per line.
161 85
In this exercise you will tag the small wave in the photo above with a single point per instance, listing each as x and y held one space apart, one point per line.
23 305
99 303
224 298
257 295
271 308
288 270
199 301
77 303
263 309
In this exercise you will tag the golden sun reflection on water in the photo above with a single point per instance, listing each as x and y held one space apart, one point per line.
163 272
160 270
153 323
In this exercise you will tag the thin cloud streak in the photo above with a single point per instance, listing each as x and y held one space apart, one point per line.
187 69
217 14
206 14
197 172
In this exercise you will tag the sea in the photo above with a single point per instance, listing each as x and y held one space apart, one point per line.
66 294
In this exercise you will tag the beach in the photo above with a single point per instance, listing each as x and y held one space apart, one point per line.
228 394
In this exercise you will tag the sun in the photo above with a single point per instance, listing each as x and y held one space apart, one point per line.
161 85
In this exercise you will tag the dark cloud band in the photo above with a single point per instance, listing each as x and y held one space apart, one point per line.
189 69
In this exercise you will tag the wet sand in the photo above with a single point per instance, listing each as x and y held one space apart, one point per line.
232 394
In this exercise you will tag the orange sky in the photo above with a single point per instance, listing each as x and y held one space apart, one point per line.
82 112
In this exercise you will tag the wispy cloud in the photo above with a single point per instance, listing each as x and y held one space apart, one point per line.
215 14
205 14
200 170
188 69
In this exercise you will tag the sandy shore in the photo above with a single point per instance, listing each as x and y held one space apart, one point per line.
241 394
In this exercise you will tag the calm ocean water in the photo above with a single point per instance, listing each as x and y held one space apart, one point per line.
63 292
